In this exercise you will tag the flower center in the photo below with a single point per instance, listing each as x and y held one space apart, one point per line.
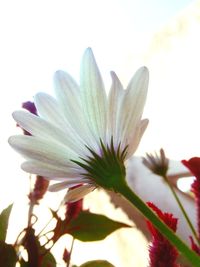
106 170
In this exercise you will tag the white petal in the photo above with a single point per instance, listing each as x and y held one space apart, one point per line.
53 172
68 95
78 193
93 95
42 150
40 128
49 109
133 103
135 138
67 92
64 185
114 102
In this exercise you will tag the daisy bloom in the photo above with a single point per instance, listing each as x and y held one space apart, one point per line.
83 136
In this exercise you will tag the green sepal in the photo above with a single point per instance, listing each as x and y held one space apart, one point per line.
92 227
4 218
106 168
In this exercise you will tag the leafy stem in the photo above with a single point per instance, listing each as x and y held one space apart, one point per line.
189 254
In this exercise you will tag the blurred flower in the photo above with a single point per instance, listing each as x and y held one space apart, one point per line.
161 252
30 106
194 246
193 165
40 188
83 137
158 164
73 209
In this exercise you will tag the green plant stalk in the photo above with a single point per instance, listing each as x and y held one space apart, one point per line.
182 209
189 254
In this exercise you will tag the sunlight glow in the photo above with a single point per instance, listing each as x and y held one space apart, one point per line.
184 184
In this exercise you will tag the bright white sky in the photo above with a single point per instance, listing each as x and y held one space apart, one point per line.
38 37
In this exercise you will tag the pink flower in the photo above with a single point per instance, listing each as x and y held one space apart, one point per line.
161 252
30 106
40 188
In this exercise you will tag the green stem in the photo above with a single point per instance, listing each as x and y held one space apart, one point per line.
182 209
162 228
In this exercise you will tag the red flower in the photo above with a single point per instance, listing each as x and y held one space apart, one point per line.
193 165
194 246
161 252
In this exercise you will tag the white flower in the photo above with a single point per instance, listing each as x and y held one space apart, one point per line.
83 137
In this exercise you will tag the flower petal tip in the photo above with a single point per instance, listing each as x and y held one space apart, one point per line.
58 74
18 113
144 71
14 114
88 50
12 140
113 75
88 54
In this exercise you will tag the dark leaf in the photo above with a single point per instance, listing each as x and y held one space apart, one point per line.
4 217
48 260
92 227
8 257
38 256
31 244
97 263
24 264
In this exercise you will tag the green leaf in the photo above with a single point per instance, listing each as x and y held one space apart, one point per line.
48 260
4 217
97 263
92 227
8 257
24 263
